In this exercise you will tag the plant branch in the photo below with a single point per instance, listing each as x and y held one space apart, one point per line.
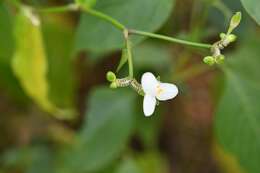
129 54
105 17
170 39
60 9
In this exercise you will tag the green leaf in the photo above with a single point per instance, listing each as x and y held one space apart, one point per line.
152 55
7 79
252 7
86 3
105 132
58 39
29 61
237 117
98 35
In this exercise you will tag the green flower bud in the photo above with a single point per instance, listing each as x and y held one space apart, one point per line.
220 59
235 21
209 60
231 38
222 35
111 77
113 85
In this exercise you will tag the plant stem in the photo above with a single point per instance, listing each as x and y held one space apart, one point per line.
105 17
66 8
129 55
170 39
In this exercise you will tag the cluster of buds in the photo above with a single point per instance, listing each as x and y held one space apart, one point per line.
124 82
225 40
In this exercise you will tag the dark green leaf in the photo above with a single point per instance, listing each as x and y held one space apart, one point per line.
106 130
97 35
58 38
29 61
237 117
252 7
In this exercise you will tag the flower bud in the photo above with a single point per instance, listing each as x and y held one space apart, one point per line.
231 38
113 85
220 59
111 77
222 35
209 60
235 21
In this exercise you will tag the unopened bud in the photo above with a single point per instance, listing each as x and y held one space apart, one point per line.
111 77
220 59
222 35
235 21
113 85
209 60
231 38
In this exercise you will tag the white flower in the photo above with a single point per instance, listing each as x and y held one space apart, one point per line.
153 90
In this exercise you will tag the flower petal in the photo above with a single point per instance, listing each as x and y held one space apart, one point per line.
149 105
168 91
149 83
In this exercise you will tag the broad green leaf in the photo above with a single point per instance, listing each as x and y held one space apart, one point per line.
31 159
252 7
152 55
98 35
8 81
58 39
237 117
29 61
105 132
86 3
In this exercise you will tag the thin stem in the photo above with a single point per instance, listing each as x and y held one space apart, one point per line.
170 39
129 55
105 17
60 9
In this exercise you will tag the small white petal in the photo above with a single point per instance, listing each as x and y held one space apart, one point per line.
149 83
167 91
149 105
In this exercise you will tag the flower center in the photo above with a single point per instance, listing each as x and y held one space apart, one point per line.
159 90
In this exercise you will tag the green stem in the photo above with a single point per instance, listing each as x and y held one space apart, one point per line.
60 9
170 39
105 17
130 59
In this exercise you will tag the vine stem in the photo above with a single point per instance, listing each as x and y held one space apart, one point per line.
117 24
170 39
105 17
129 54
60 9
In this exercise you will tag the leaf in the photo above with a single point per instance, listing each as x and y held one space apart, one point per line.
29 61
86 3
238 114
58 38
7 80
252 7
105 132
97 35
152 55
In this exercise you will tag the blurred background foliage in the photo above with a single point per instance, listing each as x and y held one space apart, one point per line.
58 114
